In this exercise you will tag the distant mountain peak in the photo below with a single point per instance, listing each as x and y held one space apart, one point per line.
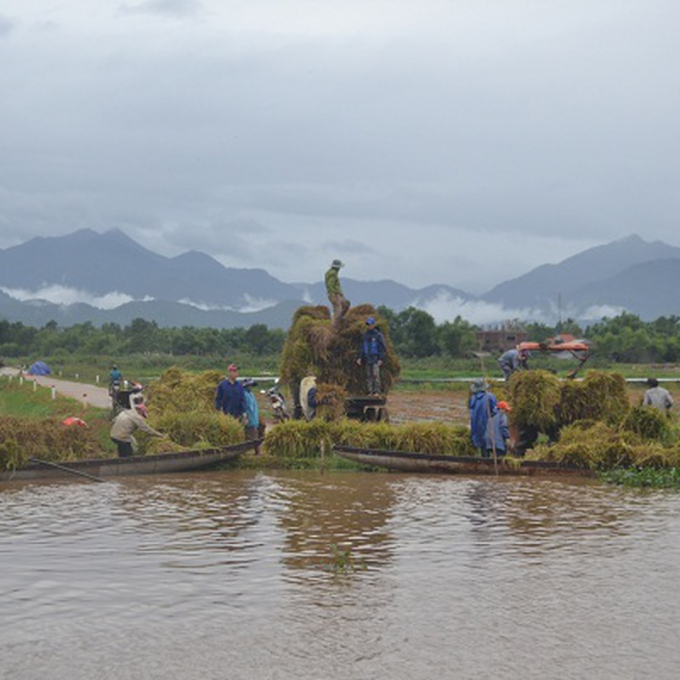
193 255
631 239
117 233
78 236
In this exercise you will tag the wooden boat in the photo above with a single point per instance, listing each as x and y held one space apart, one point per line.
157 464
402 461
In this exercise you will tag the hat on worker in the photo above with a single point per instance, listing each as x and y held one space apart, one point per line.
249 382
232 367
479 385
504 406
336 264
371 320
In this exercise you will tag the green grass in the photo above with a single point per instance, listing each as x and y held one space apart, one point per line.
147 367
24 401
664 478
331 462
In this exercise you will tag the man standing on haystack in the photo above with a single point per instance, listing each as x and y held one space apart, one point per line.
372 353
337 299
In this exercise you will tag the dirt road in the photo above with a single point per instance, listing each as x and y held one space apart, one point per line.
88 394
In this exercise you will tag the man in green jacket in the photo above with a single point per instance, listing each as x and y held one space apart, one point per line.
337 299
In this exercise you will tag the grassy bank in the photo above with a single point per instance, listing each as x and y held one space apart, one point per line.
147 367
35 401
181 405
31 426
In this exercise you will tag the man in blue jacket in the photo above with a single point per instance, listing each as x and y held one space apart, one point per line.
372 354
230 397
482 407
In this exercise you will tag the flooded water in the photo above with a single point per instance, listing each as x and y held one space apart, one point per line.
235 575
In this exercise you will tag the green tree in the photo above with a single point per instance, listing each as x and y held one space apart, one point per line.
256 339
456 338
419 333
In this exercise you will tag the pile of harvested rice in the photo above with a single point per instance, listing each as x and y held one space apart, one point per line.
314 347
299 439
23 438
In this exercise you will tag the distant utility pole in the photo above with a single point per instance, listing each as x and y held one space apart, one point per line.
559 312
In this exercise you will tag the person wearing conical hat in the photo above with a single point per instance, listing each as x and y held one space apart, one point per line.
482 406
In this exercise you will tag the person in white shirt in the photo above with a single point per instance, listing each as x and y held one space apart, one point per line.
657 397
124 424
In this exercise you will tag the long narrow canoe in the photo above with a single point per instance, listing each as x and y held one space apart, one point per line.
160 463
402 461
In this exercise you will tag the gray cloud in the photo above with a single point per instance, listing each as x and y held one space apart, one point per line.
470 143
350 247
6 26
179 8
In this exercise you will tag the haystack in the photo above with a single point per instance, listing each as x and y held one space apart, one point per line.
648 423
182 406
541 401
314 347
607 397
600 396
587 444
535 398
597 427
178 391
23 438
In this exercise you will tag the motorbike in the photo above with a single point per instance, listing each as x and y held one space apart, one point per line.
278 403
114 390
122 392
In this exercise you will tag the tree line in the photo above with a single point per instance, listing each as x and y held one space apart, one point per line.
414 333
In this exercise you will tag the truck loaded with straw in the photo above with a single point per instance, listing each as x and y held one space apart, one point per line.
315 347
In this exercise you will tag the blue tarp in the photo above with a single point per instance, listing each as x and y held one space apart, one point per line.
39 368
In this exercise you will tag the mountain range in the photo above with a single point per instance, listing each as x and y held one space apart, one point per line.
110 277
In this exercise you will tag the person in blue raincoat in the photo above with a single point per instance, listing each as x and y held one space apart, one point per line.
482 407
498 434
252 413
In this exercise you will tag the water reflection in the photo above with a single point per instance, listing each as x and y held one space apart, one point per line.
227 575
349 511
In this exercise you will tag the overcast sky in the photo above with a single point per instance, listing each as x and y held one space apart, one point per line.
438 141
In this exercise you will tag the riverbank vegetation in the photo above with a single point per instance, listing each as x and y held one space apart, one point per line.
426 349
595 423
31 426
645 477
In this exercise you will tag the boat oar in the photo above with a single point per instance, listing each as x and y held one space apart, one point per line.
63 468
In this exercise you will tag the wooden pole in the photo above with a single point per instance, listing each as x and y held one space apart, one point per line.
63 468
489 424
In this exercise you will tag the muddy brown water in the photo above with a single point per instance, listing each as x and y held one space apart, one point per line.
231 575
